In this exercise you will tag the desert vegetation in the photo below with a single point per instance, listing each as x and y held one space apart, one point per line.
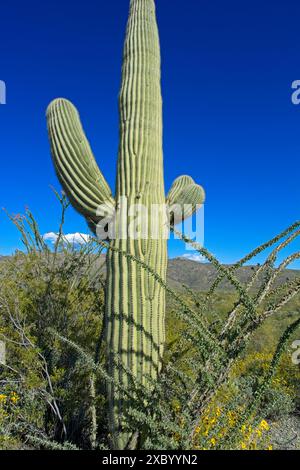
117 357
227 375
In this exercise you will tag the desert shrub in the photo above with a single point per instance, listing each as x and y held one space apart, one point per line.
216 424
42 289
214 391
281 394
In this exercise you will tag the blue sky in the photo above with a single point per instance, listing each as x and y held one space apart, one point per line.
228 117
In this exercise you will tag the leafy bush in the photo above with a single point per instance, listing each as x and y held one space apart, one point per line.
281 395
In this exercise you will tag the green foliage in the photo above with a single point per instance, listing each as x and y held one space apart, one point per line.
217 389
42 289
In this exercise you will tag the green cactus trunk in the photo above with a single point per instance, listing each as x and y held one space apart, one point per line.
135 304
135 301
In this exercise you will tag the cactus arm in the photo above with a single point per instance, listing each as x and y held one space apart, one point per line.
177 186
184 198
74 162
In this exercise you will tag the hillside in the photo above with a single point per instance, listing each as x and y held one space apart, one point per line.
200 276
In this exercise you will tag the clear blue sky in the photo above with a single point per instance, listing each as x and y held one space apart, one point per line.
228 117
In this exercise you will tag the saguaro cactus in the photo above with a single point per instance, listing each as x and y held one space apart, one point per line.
135 303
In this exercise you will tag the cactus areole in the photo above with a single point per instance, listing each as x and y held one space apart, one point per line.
135 301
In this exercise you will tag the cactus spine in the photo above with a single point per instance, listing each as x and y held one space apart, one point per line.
135 303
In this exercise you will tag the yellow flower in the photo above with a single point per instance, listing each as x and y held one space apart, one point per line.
177 407
270 448
243 445
213 441
14 397
3 397
197 430
264 425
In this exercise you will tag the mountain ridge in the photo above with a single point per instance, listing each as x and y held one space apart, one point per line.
200 276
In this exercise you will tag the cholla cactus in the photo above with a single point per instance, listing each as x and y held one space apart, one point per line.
135 302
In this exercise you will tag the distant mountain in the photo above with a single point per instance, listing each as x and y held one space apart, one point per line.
200 276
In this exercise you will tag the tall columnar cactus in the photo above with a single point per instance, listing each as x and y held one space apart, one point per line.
135 302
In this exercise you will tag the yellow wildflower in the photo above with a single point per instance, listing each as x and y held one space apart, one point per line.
264 425
177 408
14 399
213 441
